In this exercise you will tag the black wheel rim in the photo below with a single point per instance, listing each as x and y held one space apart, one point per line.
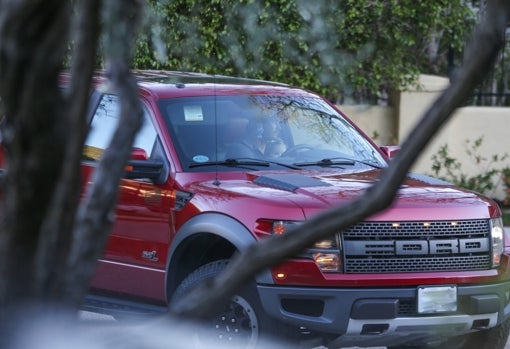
236 324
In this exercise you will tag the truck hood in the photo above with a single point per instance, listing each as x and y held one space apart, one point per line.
312 191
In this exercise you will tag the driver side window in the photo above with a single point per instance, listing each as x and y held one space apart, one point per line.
103 125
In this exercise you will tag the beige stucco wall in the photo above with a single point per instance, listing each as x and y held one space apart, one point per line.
468 123
413 102
471 123
376 121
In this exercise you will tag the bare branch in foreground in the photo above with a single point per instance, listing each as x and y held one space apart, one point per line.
484 47
55 246
95 215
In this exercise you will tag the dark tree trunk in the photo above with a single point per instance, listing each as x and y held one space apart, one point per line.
54 248
34 134
49 241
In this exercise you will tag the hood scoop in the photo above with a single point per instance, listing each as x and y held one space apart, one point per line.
289 182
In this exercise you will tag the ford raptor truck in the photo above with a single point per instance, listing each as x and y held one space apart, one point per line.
221 163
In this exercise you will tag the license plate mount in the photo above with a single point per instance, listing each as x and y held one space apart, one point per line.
437 299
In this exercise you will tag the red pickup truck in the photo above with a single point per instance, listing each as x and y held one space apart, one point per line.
223 162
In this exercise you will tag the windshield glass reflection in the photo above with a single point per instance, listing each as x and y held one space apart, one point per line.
282 130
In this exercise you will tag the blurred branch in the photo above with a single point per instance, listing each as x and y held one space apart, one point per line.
55 246
34 136
95 215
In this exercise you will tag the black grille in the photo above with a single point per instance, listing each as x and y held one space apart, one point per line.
380 230
387 247
416 264
407 307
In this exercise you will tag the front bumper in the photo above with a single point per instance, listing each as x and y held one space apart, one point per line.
384 316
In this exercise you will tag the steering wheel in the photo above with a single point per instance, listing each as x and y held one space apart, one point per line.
296 150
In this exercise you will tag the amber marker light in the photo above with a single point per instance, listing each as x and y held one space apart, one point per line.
278 227
281 276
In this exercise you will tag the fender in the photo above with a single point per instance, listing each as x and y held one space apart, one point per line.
218 224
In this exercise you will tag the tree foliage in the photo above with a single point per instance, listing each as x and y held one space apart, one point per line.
346 50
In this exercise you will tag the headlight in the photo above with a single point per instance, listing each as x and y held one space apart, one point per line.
498 246
326 253
328 261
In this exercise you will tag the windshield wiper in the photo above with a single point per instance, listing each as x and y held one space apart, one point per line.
231 163
337 162
242 162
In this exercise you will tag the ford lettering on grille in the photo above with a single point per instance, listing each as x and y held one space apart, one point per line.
416 247
380 247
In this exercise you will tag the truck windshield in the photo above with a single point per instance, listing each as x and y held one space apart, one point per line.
283 130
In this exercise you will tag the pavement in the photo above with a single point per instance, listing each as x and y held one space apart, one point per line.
101 318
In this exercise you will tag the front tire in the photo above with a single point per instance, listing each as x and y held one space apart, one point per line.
242 321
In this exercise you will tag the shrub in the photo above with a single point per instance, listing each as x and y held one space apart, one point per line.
490 173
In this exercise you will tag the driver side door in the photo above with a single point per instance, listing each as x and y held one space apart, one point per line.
133 262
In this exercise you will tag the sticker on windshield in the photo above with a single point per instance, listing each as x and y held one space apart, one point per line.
200 158
193 113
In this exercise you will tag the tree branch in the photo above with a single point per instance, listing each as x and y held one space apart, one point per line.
96 214
55 246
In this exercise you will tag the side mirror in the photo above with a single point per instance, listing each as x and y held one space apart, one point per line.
139 154
140 167
390 150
